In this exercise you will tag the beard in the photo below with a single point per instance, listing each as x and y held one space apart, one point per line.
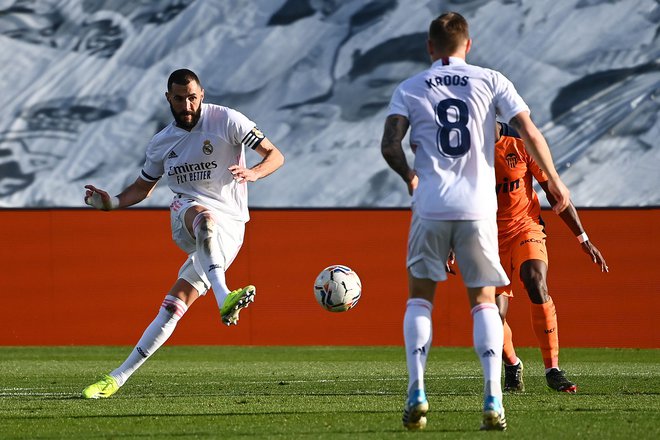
181 122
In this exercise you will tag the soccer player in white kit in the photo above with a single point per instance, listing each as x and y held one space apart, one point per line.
201 155
451 109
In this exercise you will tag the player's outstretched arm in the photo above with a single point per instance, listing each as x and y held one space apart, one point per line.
391 148
538 148
132 194
272 160
572 220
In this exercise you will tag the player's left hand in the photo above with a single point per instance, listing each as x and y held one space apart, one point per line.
595 255
242 174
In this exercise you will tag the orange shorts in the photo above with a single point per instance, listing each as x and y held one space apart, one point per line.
514 251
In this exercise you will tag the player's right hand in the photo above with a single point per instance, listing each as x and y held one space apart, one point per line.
98 198
413 182
595 255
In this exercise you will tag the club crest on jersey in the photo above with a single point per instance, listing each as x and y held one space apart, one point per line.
511 160
207 148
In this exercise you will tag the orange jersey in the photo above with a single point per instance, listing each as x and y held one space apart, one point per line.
518 206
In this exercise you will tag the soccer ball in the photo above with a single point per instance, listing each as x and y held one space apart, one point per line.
337 288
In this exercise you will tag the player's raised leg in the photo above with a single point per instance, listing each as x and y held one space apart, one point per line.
236 301
205 227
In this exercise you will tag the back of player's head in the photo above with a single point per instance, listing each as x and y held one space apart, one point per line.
182 77
448 32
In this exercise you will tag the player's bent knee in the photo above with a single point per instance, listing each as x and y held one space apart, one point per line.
204 222
204 226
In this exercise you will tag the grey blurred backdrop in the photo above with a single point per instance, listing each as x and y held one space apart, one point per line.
83 82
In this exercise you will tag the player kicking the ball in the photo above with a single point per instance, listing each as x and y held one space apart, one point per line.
202 155
523 253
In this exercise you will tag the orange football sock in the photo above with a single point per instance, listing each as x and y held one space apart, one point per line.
508 352
544 321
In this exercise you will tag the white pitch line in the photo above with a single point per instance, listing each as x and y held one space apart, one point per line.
379 379
33 394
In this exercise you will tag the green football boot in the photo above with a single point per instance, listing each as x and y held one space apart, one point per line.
105 387
235 302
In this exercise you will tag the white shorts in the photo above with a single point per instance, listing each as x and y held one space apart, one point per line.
230 237
474 242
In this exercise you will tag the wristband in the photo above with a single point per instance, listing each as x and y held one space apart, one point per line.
583 237
114 204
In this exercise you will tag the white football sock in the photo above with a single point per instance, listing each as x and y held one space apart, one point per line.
488 337
210 254
417 334
160 329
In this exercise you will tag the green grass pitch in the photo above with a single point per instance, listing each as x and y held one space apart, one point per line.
315 393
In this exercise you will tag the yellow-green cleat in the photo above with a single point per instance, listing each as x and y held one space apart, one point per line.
105 387
235 302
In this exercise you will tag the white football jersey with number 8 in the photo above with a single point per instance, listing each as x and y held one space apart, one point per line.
452 108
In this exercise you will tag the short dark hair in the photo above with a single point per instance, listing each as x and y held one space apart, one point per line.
182 77
448 31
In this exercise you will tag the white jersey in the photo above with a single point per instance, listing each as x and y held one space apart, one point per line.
196 162
452 108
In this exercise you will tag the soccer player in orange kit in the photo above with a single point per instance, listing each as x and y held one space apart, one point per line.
522 249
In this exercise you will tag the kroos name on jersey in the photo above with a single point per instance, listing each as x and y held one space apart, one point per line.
190 167
447 80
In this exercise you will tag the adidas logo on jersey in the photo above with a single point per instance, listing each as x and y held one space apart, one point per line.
172 155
